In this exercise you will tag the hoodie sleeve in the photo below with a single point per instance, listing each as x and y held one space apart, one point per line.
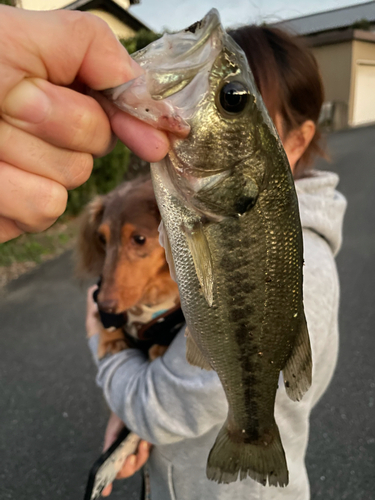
163 401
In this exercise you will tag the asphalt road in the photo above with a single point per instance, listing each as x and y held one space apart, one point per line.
52 416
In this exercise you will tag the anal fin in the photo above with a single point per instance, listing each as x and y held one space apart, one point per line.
193 354
298 369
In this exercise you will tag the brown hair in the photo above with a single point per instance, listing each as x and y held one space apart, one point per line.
288 78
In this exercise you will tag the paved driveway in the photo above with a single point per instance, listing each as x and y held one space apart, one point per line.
52 416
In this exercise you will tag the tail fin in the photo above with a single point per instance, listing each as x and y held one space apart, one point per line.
261 461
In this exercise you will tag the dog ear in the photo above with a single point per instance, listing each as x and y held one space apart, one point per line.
89 252
154 210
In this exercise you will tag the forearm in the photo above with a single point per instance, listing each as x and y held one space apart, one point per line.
163 401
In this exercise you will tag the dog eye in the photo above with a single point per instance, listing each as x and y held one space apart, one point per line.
139 239
101 238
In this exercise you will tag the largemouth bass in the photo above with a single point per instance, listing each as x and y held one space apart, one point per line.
232 236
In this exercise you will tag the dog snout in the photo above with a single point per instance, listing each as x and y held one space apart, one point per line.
108 306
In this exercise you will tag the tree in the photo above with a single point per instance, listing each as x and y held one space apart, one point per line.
139 40
362 24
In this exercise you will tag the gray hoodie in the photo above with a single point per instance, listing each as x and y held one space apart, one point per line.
180 408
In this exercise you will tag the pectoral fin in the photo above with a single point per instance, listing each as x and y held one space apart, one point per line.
200 251
193 353
298 368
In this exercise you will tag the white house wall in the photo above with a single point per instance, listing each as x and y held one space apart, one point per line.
363 84
58 4
44 4
119 28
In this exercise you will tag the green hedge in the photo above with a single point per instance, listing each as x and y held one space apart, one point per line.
109 171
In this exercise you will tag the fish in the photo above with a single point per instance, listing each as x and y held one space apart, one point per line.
232 235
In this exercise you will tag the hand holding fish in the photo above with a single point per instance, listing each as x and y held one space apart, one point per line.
49 128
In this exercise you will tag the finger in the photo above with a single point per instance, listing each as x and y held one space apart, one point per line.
93 326
147 142
134 462
92 306
8 230
82 45
58 115
129 467
142 454
43 203
90 300
69 168
107 490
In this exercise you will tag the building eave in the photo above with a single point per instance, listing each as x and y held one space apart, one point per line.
334 19
339 36
111 7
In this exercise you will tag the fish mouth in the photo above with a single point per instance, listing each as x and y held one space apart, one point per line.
169 65
204 28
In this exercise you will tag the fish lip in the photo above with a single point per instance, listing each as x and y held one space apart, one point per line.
208 24
162 109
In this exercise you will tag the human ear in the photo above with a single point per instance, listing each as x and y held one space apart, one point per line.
297 141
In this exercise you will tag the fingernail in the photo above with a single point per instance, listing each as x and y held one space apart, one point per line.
132 460
136 68
145 446
26 102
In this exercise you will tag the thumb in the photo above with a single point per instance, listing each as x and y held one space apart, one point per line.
66 45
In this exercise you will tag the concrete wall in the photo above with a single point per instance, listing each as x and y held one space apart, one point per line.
342 78
335 63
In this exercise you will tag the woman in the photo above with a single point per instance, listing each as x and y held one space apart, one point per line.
180 408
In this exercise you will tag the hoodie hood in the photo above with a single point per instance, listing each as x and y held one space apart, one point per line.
322 208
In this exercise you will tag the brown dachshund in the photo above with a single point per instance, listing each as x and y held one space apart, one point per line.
119 241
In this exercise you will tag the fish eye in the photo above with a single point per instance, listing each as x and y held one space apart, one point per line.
234 97
139 239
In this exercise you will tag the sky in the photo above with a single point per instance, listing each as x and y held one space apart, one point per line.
178 14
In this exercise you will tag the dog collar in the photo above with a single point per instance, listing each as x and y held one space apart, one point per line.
147 325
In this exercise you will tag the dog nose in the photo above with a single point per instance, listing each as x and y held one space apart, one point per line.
108 306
